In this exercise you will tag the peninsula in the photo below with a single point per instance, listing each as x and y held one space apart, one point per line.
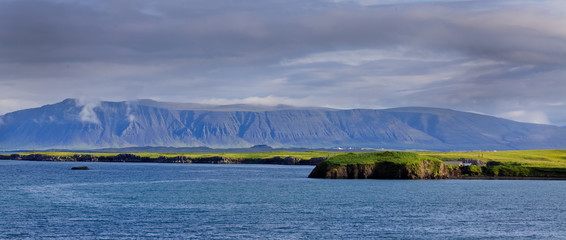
533 164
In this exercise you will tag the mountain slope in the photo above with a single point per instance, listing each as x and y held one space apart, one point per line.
148 123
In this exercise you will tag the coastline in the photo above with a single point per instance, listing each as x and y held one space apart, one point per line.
404 165
129 157
372 171
510 178
384 165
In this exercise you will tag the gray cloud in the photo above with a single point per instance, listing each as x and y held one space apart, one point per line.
497 57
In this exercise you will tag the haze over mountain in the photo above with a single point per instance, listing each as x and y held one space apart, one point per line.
75 125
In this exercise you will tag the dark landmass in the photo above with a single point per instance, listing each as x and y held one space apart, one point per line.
150 149
80 168
425 169
386 165
128 157
69 125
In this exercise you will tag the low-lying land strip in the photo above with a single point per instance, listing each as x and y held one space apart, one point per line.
379 165
281 157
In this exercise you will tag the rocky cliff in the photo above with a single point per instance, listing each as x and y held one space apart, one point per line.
74 125
385 165
425 169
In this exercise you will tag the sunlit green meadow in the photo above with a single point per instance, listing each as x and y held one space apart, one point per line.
526 158
263 155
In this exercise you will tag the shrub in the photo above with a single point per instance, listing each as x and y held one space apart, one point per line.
471 170
508 171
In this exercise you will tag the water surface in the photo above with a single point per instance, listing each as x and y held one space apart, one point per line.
152 200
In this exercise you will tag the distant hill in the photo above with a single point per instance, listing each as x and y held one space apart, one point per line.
149 123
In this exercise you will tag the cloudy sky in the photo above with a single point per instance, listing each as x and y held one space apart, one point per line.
503 58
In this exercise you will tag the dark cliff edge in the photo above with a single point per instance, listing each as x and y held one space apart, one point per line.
433 170
126 157
425 169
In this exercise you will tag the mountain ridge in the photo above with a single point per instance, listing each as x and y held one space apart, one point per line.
78 125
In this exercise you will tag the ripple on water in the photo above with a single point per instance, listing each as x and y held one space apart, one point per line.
132 201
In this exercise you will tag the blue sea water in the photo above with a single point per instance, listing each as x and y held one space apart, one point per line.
43 200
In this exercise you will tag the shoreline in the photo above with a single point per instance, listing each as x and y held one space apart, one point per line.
283 161
403 165
395 168
510 178
129 157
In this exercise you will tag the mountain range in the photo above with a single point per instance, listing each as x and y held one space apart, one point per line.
72 124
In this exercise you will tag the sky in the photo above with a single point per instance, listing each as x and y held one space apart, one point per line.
504 58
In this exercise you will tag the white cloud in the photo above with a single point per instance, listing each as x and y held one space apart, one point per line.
87 114
526 116
129 114
387 2
267 101
131 118
556 104
352 58
360 56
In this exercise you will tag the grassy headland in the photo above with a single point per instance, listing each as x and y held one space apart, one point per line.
384 165
519 164
526 158
528 163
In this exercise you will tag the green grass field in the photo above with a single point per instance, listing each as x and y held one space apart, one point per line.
375 157
530 163
264 155
527 158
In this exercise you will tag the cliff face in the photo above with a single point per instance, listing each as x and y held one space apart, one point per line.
70 125
425 169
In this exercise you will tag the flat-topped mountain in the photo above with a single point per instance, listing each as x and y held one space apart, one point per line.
69 124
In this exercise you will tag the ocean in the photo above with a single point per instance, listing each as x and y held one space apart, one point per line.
47 200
